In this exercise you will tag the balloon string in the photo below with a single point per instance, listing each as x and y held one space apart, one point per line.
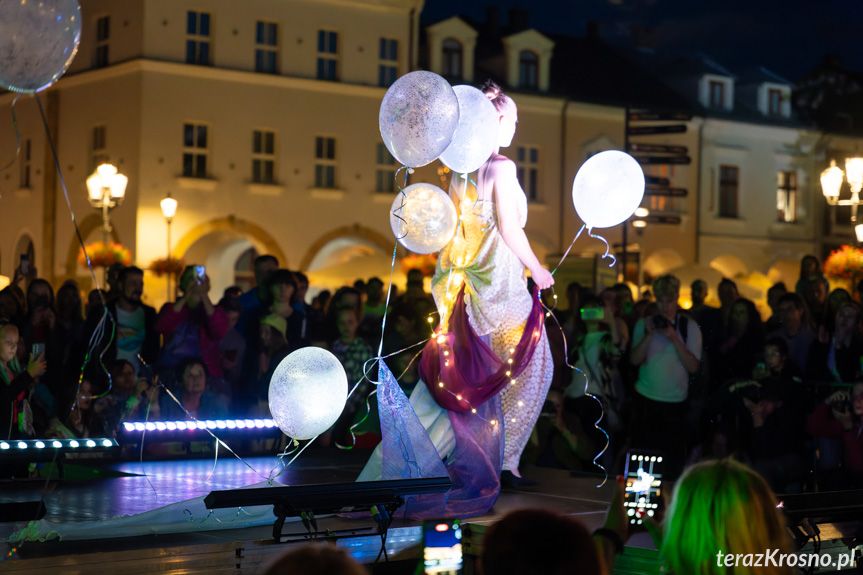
601 407
395 252
366 370
17 135
607 248
100 327
575 239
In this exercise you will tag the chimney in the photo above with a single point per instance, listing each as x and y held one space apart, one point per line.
492 20
519 20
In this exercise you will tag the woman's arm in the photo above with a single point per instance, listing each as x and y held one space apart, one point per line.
506 187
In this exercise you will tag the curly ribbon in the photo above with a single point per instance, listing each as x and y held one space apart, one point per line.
601 407
607 247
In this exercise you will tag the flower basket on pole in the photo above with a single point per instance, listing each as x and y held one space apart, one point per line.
845 263
105 254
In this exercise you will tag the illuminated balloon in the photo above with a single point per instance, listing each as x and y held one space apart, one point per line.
418 118
607 189
476 136
38 41
427 220
308 392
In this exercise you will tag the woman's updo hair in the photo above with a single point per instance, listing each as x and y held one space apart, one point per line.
502 102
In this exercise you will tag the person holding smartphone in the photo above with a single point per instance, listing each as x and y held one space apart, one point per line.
666 349
841 416
192 326
15 384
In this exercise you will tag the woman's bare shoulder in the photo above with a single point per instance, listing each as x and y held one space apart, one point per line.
500 164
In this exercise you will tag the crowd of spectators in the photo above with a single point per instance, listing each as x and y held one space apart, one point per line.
780 395
74 370
783 395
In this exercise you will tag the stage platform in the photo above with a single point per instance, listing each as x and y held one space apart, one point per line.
131 488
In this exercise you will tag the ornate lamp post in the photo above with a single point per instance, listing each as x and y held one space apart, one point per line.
169 210
831 184
106 188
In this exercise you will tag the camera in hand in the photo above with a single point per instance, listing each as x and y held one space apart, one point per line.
751 392
660 322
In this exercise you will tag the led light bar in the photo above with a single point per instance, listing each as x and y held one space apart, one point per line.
211 424
200 430
67 445
50 448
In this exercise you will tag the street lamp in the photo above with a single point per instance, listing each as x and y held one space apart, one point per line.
831 184
106 188
169 210
639 223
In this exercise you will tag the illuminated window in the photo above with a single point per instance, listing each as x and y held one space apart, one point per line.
729 178
786 196
266 47
198 38
528 69
328 55
25 163
195 150
717 94
527 167
386 171
388 67
102 33
264 157
98 152
452 58
774 102
325 162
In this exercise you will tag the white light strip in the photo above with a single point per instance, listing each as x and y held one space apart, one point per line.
220 424
61 444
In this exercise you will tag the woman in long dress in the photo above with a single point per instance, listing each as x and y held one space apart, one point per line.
491 367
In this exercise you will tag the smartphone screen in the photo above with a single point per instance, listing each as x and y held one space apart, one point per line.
643 485
442 546
592 313
201 271
38 349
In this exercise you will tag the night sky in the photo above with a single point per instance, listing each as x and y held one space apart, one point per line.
789 37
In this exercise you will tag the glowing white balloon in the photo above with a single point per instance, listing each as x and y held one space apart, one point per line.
476 136
418 118
308 392
427 220
38 41
607 189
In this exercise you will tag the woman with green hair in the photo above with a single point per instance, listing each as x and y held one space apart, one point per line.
722 517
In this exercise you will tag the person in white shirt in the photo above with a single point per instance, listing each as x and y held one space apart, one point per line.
667 349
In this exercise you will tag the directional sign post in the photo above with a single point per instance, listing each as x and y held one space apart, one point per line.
667 192
651 219
678 160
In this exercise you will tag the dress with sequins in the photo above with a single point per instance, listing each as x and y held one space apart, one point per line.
498 305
